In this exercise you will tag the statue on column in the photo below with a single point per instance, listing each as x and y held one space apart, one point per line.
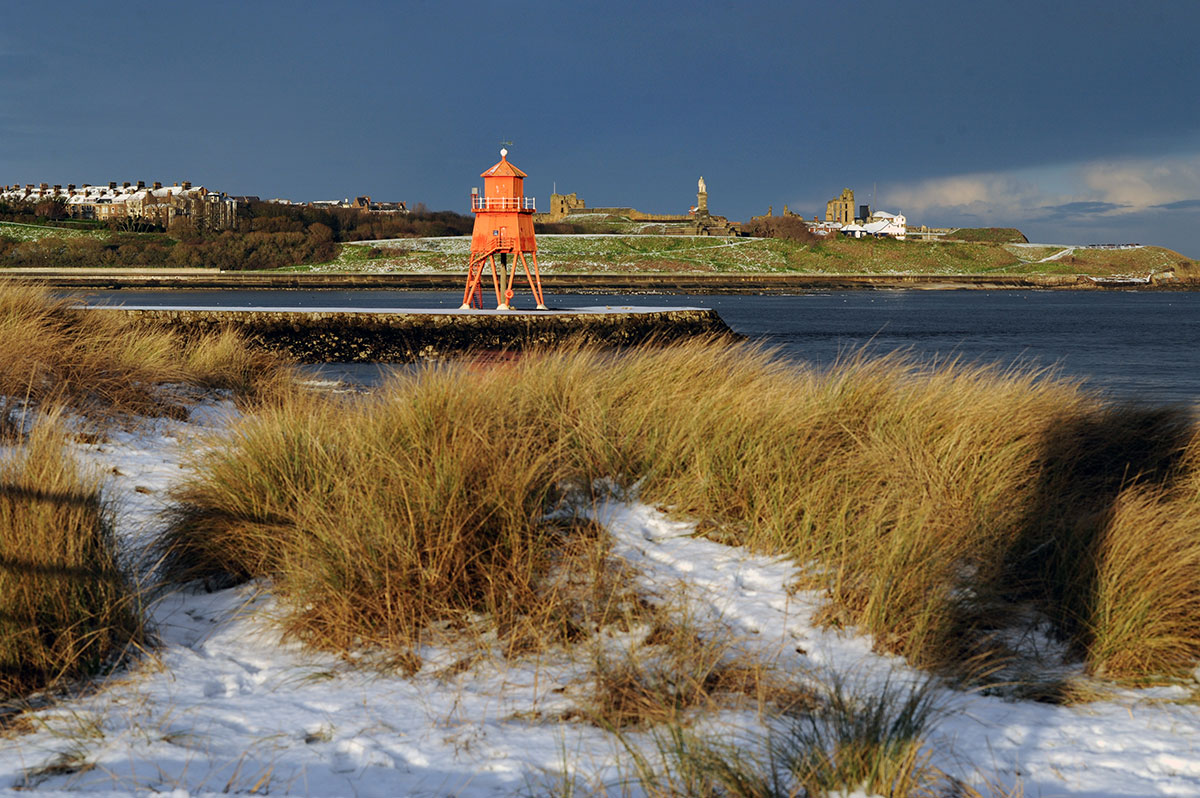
702 187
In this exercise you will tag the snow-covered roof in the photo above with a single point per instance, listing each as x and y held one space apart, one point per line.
100 192
881 226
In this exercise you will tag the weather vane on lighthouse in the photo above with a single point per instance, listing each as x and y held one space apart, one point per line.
503 227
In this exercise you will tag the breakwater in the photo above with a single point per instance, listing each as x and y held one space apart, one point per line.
696 283
357 336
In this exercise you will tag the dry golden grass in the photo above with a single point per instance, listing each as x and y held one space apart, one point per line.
853 739
1144 617
50 350
873 739
377 518
67 609
930 502
676 668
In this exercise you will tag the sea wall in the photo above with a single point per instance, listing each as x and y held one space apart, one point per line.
368 337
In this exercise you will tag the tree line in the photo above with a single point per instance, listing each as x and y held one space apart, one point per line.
267 236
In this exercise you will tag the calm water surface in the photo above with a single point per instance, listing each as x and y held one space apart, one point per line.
1132 345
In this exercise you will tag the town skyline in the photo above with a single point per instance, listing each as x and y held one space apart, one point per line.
1073 123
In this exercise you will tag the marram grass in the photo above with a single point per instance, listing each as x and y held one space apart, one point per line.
51 350
67 609
934 504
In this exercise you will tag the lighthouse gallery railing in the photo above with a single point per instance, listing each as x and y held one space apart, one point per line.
479 203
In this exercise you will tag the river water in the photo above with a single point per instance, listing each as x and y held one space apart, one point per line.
1141 345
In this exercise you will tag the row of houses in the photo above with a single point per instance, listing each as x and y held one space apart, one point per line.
363 204
155 204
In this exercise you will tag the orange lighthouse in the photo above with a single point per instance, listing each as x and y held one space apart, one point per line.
503 227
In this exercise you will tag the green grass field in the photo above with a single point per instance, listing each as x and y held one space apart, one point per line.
18 231
669 254
625 254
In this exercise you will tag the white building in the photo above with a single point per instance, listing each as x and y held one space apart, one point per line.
881 223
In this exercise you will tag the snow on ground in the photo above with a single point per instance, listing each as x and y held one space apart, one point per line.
225 706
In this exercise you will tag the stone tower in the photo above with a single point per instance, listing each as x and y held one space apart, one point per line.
841 209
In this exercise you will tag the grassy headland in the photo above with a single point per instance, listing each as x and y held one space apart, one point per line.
638 254
946 510
300 239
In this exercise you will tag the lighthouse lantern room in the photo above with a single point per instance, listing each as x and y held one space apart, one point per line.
503 227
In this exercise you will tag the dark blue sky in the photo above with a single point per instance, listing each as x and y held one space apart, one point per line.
1075 121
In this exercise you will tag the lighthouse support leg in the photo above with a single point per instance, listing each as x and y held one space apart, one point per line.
512 277
495 280
537 280
474 280
534 285
506 281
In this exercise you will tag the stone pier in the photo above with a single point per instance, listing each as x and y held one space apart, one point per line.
403 335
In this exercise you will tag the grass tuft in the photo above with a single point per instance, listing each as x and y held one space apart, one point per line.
854 740
68 611
677 667
377 518
871 739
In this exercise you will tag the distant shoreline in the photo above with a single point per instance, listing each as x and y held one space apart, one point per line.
645 283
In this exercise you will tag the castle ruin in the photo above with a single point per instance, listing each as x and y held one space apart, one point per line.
571 209
840 209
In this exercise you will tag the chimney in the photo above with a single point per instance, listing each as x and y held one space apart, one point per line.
112 185
44 186
157 184
87 185
186 185
125 184
29 186
141 184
